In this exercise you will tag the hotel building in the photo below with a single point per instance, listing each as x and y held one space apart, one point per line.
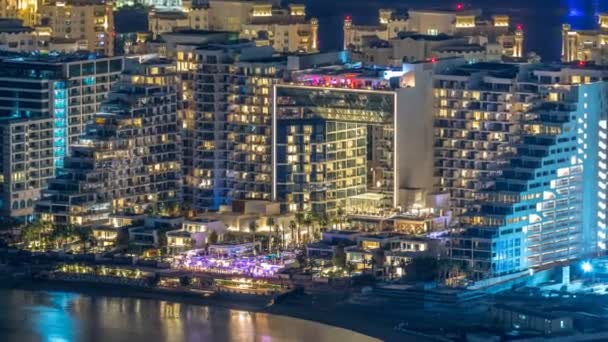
129 160
231 114
26 10
477 113
586 45
495 34
544 207
249 127
338 133
44 101
286 29
87 20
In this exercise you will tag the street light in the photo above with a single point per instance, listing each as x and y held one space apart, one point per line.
587 267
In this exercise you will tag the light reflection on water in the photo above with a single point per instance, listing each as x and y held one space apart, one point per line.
68 317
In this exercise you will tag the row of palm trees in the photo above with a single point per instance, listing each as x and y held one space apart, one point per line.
310 221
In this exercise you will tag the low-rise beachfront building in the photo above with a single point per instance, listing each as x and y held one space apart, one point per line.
331 244
194 234
387 254
235 248
149 234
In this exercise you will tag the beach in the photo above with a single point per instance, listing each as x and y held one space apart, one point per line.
325 309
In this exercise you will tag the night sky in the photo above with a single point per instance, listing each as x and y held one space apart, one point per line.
541 19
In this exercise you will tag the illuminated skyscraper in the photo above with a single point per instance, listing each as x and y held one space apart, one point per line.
129 160
542 208
44 103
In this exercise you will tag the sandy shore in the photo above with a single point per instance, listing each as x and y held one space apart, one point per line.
325 310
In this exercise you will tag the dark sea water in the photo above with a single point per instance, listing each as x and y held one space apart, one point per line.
541 19
42 316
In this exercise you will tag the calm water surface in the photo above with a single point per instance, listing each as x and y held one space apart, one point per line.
65 317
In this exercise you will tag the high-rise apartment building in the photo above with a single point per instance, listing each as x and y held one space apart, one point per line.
345 132
542 209
225 99
477 110
87 20
249 127
129 160
44 103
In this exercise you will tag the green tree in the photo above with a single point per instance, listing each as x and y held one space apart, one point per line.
60 235
253 228
422 269
339 258
86 237
36 231
307 221
292 227
350 268
213 237
340 213
270 223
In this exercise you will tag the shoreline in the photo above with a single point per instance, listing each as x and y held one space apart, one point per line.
339 317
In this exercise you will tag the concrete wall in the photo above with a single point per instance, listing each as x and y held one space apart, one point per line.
414 126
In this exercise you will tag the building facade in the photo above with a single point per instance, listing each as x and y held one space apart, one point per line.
542 210
129 160
286 29
90 21
494 34
45 101
586 45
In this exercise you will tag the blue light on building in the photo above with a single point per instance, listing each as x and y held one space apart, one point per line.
60 123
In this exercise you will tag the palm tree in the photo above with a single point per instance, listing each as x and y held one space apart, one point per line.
299 220
253 227
34 232
270 223
323 220
307 222
85 235
292 226
340 215
282 236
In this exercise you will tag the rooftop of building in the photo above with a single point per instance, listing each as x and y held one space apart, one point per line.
342 232
194 32
349 71
169 14
382 236
179 233
531 312
443 10
461 48
77 3
54 57
496 69
426 37
13 26
326 245
200 220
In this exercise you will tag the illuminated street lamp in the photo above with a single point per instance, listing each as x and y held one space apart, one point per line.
587 267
